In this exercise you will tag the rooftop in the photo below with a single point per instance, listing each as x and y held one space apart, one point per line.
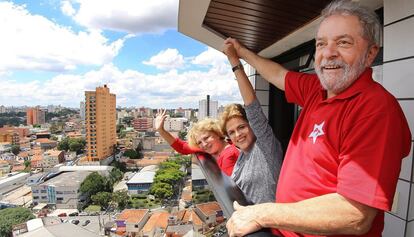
179 230
209 208
159 219
196 173
68 179
132 215
142 177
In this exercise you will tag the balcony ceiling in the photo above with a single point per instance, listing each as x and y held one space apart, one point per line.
268 27
260 23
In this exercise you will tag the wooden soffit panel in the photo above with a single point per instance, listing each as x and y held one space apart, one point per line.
260 23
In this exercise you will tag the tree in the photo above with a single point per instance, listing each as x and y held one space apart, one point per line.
120 198
72 144
15 149
13 216
128 121
27 163
119 165
115 175
119 128
161 190
76 145
93 184
102 199
139 149
63 145
182 135
170 176
132 154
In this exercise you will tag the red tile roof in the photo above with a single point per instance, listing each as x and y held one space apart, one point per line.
209 208
159 219
132 215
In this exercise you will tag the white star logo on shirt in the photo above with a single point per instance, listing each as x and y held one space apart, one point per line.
317 131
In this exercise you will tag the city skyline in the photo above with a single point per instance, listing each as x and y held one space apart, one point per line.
53 51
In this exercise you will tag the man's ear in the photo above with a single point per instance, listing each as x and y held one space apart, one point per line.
371 54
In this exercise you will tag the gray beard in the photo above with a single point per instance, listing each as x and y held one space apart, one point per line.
350 74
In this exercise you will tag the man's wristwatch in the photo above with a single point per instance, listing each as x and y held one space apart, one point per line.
238 66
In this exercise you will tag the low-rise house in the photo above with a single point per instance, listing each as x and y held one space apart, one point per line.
36 161
4 167
210 213
131 221
5 147
52 158
157 223
45 143
178 230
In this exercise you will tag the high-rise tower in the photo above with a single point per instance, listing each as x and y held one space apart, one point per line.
100 123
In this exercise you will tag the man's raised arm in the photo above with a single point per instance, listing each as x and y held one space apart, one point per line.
269 70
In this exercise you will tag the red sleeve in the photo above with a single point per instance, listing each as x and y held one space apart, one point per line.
227 159
298 86
370 158
182 147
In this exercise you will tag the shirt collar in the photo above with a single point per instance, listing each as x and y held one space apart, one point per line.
363 81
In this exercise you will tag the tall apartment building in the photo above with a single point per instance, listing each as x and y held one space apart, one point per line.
207 108
142 124
82 110
2 109
100 123
35 116
174 124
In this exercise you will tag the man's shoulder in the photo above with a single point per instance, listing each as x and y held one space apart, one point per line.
377 97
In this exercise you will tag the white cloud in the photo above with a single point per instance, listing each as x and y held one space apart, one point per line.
67 9
166 60
170 89
128 15
32 42
214 58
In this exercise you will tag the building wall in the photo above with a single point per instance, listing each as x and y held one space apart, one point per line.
398 78
135 227
64 197
142 124
174 124
100 123
202 109
35 116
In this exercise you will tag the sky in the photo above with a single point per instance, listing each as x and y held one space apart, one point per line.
52 51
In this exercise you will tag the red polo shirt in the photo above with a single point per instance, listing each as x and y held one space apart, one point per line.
351 144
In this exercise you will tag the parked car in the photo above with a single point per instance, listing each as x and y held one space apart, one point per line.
75 222
86 223
63 214
74 214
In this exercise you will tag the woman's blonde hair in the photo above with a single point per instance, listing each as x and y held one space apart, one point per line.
231 111
205 125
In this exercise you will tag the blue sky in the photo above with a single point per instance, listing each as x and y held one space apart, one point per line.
52 51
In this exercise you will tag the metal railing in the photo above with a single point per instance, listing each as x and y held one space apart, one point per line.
224 189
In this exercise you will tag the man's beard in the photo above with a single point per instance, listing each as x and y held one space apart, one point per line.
349 75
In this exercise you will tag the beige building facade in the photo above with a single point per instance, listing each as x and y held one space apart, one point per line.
100 123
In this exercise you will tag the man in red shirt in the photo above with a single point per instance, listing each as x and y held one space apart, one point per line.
343 160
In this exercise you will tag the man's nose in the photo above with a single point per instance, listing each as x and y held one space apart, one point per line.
330 51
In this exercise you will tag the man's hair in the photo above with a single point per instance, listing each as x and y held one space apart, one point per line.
370 23
205 125
231 111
